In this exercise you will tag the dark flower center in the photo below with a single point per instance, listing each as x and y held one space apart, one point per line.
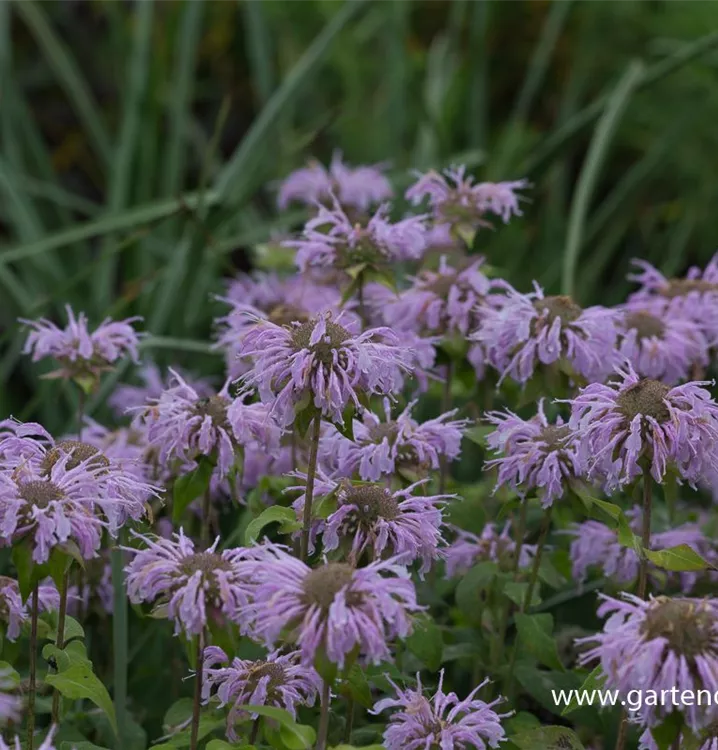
323 584
388 430
78 452
645 324
687 625
372 503
710 732
646 397
260 669
441 285
554 436
559 306
333 340
681 287
282 315
214 407
40 492
204 562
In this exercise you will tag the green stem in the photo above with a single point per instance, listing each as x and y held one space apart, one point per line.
324 717
646 532
622 731
120 640
80 413
32 690
309 494
204 530
60 643
445 406
197 691
255 731
350 721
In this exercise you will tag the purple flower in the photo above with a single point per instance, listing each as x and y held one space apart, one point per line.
594 544
535 454
126 397
457 201
81 353
21 442
372 517
694 297
333 608
14 612
529 330
185 426
192 585
126 448
332 240
619 424
491 546
323 362
383 447
278 680
46 744
269 297
661 346
658 644
356 187
442 721
708 739
443 302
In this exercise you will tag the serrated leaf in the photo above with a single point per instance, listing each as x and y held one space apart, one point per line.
535 632
286 517
679 558
80 682
548 738
426 642
190 486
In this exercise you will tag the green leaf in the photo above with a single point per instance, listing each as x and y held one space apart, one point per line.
64 658
595 681
479 433
548 738
353 747
286 517
304 418
79 682
73 629
477 579
83 745
22 560
356 686
535 632
679 558
301 736
516 591
191 486
9 672
220 745
426 642
666 733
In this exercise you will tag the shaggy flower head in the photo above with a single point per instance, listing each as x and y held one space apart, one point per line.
82 354
372 517
333 608
14 612
185 426
332 240
191 584
383 447
22 442
46 744
455 199
323 362
278 680
664 346
694 297
491 546
535 454
529 330
442 302
442 721
657 645
634 418
355 187
596 545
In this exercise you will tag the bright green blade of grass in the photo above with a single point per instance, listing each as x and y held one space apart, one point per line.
595 157
259 49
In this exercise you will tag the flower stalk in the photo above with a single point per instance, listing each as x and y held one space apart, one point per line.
309 497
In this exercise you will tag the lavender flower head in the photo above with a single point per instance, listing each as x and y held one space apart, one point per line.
332 240
185 426
694 297
333 608
535 454
355 187
618 424
370 517
661 346
596 545
529 330
383 447
657 645
323 363
490 546
445 302
81 353
455 199
192 585
442 721
14 612
278 680
22 442
97 593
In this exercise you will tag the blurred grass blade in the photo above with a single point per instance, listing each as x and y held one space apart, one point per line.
234 180
597 151
124 156
178 345
69 75
477 125
586 116
54 194
120 642
259 51
396 33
